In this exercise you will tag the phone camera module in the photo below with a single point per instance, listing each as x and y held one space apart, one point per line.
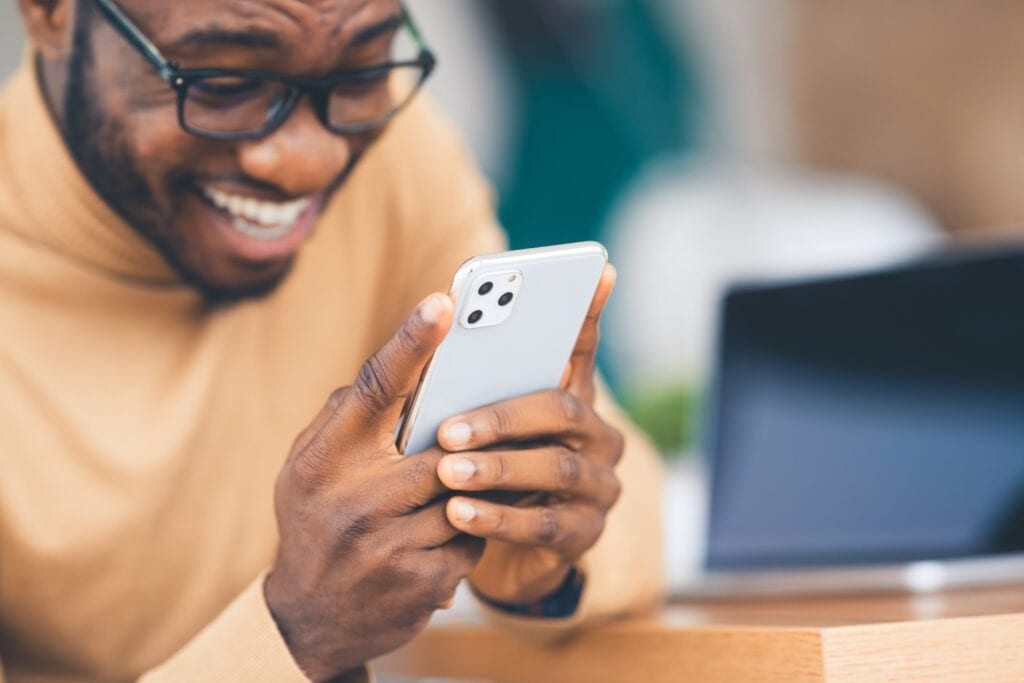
485 288
475 316
504 299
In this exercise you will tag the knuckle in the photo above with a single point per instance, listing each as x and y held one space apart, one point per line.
502 420
313 467
417 469
441 593
388 558
451 582
337 398
593 535
568 471
614 490
407 339
436 576
500 469
617 444
460 558
353 522
570 407
500 521
373 384
546 527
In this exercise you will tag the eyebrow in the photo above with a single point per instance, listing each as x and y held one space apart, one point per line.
385 26
259 39
256 39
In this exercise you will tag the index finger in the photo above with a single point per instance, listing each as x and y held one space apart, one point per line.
389 376
580 374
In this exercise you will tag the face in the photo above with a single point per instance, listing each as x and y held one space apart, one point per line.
229 216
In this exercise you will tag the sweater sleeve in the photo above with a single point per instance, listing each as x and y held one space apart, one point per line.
241 644
623 572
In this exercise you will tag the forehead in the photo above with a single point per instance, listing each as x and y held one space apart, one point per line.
299 27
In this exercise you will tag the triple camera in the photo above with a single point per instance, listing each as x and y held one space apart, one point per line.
492 299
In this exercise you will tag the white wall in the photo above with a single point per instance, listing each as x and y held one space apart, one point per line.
10 37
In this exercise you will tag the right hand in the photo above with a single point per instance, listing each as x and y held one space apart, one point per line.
366 552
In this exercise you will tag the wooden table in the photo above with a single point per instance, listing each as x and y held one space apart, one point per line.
974 636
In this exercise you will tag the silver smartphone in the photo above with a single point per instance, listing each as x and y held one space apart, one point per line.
517 317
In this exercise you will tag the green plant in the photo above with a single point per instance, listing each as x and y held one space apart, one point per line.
666 411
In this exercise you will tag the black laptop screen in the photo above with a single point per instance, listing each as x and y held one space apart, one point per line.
871 419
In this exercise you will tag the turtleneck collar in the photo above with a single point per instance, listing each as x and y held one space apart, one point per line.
51 203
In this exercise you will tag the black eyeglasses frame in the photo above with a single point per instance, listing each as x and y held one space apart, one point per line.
318 89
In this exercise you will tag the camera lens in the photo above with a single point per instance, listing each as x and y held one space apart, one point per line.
485 288
474 317
504 299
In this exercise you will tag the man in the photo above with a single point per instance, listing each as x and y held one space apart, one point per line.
211 214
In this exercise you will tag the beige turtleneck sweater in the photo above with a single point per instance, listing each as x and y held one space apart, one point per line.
141 431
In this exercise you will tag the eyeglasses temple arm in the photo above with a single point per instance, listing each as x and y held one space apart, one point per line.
413 28
120 21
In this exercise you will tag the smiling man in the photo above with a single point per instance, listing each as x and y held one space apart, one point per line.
220 227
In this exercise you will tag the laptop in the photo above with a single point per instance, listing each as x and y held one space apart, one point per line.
866 431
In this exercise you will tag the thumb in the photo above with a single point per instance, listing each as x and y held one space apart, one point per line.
388 377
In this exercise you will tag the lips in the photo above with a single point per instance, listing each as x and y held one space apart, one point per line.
257 230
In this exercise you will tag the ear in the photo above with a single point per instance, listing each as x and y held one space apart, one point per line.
48 24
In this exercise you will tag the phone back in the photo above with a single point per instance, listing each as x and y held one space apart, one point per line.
517 317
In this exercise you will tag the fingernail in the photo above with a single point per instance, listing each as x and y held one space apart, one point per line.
463 469
458 434
432 309
463 511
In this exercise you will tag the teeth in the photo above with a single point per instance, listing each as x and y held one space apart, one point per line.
265 220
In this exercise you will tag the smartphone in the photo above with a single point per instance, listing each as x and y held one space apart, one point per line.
517 317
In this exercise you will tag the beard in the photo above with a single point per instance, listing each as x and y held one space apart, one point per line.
99 146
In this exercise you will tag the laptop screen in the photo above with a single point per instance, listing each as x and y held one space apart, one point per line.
876 418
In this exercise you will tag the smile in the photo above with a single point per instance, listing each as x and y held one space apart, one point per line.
259 219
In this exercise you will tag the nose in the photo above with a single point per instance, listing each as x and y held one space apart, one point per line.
300 157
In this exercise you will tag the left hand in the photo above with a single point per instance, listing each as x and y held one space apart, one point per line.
551 444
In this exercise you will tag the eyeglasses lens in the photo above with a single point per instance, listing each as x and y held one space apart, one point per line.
372 98
229 104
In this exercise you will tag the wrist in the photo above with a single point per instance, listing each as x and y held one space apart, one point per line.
560 602
300 640
505 586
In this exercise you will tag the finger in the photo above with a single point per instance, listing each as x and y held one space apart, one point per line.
427 527
553 469
556 414
330 406
387 378
580 373
411 482
462 553
459 557
569 528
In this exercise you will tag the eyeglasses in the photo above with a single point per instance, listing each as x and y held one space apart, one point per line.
231 104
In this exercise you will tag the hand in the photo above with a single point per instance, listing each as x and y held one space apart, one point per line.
552 443
366 552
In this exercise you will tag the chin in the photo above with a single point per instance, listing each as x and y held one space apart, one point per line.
221 292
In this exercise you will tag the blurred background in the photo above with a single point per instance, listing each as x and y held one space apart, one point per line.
706 141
